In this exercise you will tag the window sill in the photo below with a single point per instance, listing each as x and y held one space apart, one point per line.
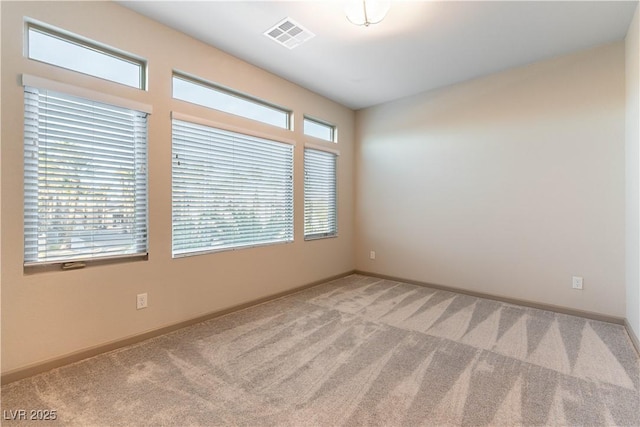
81 264
311 238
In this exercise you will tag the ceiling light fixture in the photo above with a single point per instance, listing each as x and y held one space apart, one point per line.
366 12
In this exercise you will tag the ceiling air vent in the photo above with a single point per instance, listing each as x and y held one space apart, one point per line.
289 33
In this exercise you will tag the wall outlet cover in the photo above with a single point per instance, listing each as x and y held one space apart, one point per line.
141 301
576 282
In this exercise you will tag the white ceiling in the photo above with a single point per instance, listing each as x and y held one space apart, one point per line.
421 45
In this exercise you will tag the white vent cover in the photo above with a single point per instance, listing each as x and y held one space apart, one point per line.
289 33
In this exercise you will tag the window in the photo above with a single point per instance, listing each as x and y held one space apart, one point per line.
75 54
85 179
319 129
230 190
211 96
320 204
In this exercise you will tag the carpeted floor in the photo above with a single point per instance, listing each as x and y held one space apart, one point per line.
355 351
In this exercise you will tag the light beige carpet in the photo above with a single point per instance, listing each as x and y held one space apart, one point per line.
355 351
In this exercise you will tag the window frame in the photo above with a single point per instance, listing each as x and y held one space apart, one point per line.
88 256
86 43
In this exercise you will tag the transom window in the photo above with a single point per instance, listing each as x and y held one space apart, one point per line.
320 198
225 100
74 53
319 129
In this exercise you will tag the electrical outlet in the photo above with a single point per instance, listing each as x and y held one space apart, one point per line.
372 255
141 301
576 282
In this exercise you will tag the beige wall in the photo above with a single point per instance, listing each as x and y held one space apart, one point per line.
48 315
632 45
507 185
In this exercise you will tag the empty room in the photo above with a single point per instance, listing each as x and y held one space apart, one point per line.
320 213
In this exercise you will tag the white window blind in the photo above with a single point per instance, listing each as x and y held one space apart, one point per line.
320 201
230 190
85 179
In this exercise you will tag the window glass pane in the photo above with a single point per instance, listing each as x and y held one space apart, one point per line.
84 58
229 190
85 179
218 99
320 201
319 130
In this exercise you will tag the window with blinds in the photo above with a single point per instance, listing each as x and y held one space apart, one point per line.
85 179
320 199
229 190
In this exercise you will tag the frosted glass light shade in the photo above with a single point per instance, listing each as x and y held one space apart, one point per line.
366 12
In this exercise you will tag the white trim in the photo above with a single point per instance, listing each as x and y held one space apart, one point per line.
42 83
211 123
322 148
